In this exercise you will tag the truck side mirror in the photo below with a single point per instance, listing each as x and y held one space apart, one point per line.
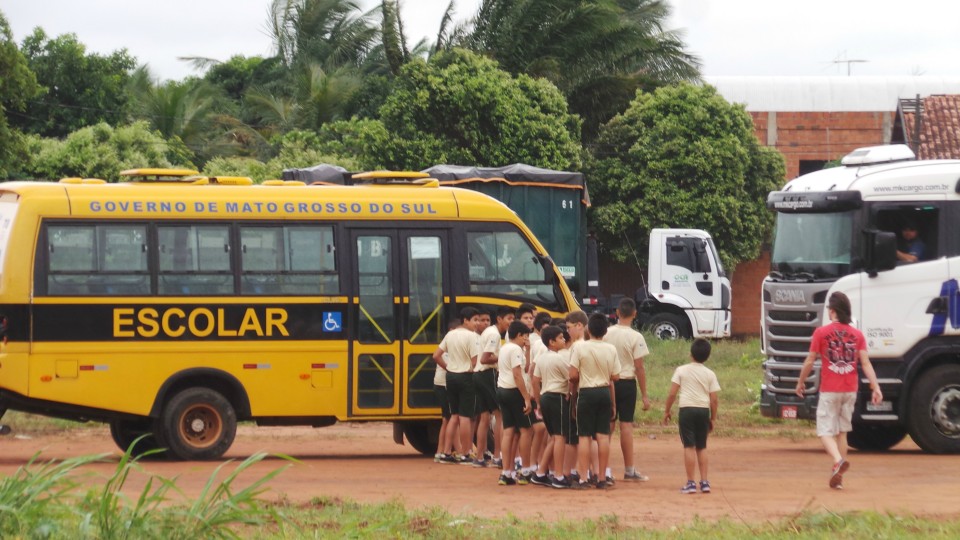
881 251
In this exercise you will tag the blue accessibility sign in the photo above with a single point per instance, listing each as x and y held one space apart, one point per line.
332 321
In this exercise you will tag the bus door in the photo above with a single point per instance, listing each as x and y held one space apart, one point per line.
399 316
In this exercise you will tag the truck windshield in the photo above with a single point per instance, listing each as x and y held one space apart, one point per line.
812 246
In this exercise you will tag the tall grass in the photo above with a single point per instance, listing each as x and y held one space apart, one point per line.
46 500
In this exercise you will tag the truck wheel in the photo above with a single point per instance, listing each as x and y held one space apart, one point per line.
935 410
422 436
198 424
873 437
668 326
125 432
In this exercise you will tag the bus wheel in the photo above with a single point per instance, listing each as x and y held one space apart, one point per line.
422 436
935 410
873 437
125 432
198 424
668 326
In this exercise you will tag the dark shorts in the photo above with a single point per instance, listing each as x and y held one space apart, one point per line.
511 409
460 394
694 427
442 401
572 437
594 412
536 415
485 384
626 392
556 412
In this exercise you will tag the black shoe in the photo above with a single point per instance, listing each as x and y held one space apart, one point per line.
449 458
523 479
540 480
579 485
574 478
560 484
610 480
604 484
506 481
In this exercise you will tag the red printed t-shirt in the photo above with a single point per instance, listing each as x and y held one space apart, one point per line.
839 346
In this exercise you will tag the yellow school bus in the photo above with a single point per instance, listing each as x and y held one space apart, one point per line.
178 309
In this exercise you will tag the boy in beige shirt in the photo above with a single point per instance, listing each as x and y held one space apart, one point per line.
697 386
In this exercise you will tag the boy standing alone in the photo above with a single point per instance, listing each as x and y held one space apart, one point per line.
697 386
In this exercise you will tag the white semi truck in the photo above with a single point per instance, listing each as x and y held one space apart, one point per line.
687 292
837 230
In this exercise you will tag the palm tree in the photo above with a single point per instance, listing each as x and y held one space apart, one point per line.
598 52
188 110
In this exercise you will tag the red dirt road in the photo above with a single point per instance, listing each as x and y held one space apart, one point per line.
754 480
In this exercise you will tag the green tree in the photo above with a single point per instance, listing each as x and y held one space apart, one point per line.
17 85
79 89
598 52
683 157
461 108
100 151
192 111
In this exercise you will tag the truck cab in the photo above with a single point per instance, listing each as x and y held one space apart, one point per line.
687 293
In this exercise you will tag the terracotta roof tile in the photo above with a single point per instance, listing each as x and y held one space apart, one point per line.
939 128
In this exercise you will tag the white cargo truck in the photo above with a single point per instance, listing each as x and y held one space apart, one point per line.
838 230
687 292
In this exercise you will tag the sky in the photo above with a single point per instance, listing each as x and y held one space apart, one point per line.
731 37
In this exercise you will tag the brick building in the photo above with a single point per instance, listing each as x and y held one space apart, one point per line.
810 120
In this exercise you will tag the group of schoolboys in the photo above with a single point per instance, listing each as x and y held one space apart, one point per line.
556 389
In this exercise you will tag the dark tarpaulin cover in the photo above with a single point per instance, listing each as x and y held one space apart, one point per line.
331 174
518 173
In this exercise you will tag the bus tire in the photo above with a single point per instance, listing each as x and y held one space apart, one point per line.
869 437
197 424
668 326
935 410
422 436
125 432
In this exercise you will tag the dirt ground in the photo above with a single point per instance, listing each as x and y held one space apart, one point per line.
754 480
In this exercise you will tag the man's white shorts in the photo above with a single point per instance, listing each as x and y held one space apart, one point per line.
834 411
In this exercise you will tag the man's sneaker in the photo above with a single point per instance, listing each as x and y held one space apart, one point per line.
506 481
523 479
704 486
449 458
635 477
498 463
689 487
836 478
560 483
540 479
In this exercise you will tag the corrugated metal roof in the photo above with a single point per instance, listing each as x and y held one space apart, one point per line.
829 94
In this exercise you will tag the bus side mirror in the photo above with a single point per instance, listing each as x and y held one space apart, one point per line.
881 251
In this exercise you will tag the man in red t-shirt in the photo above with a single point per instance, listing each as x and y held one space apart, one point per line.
840 347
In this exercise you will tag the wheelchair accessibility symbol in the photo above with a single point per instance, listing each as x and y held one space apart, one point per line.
332 321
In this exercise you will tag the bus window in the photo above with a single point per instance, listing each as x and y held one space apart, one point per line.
297 260
97 260
194 259
503 263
